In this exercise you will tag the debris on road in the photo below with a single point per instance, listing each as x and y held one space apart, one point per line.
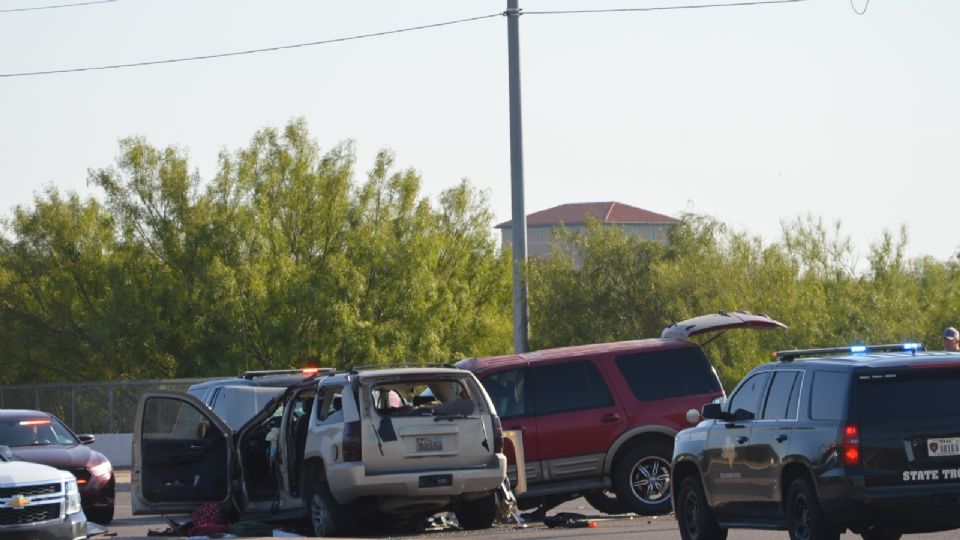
569 520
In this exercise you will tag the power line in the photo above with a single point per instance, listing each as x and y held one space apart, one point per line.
663 8
58 6
361 36
858 12
249 51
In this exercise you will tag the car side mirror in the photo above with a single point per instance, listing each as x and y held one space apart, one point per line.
86 439
713 411
743 414
6 454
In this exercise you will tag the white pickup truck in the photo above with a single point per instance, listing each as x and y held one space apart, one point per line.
38 502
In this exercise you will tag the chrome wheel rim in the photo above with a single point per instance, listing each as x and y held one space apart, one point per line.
650 479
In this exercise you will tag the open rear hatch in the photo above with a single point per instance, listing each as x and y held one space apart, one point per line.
718 322
909 421
419 423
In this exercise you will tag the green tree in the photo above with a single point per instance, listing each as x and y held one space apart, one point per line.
598 286
602 285
64 290
281 259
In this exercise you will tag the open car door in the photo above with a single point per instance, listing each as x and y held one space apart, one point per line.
718 322
182 455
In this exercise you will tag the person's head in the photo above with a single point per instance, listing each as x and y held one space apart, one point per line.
951 339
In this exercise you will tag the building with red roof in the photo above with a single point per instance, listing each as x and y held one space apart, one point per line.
540 225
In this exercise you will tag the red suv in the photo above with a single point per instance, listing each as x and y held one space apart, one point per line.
599 420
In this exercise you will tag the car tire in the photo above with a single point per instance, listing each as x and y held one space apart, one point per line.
876 533
478 514
641 478
100 516
694 517
605 501
326 519
805 519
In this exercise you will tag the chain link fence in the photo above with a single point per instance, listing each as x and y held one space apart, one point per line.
92 407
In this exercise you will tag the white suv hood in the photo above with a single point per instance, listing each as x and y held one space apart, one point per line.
17 473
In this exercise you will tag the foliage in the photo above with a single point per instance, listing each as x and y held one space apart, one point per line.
604 285
283 259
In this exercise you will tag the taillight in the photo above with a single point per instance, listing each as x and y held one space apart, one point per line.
850 446
352 442
497 435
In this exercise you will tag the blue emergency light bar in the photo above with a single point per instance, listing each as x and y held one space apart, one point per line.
789 356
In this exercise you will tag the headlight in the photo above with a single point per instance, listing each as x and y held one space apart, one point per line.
102 469
73 497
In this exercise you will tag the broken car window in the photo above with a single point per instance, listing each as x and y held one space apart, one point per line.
423 398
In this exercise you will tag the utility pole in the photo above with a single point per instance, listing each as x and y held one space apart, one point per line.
516 181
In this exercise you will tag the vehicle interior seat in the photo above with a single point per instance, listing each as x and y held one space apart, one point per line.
300 440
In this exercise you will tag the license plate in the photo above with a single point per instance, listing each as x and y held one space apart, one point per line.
427 444
943 447
436 480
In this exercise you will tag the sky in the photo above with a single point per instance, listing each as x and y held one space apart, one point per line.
753 115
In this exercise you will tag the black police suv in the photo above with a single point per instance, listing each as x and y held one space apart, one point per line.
865 438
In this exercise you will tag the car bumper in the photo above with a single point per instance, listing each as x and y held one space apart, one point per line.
350 481
71 527
99 492
908 509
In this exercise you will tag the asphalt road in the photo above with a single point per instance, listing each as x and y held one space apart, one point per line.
126 526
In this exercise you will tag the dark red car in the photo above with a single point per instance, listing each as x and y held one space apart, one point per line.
42 438
600 420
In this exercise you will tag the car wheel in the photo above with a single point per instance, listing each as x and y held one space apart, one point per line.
325 515
100 516
875 533
641 479
694 517
605 501
805 519
478 514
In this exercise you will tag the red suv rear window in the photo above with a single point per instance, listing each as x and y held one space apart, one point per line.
668 373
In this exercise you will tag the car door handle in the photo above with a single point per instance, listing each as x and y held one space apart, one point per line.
781 438
741 440
611 417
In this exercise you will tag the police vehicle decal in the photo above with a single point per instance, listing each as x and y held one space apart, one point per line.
931 474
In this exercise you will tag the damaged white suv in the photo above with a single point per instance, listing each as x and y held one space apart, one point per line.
401 442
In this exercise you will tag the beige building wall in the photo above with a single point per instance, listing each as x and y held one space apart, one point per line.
540 237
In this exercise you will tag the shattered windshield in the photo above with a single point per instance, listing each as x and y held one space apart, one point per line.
40 431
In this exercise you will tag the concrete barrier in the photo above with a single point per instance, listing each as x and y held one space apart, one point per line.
116 446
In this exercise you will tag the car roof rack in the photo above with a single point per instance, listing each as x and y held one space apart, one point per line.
355 369
791 355
249 375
